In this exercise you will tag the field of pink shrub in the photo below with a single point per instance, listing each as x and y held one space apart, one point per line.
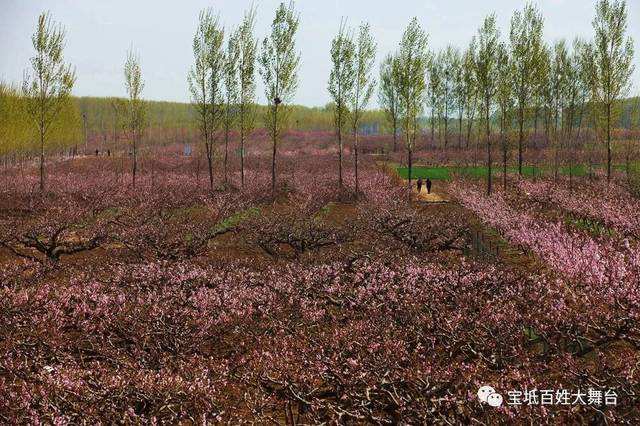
172 303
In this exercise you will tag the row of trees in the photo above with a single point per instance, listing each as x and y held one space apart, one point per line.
507 82
45 100
171 118
403 85
222 80
351 84
517 81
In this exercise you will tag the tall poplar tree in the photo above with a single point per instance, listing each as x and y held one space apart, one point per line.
341 85
388 96
205 80
136 109
613 55
559 82
504 99
48 87
230 97
486 75
413 59
246 46
526 43
364 84
279 62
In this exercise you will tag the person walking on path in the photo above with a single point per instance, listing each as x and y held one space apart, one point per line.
428 186
419 185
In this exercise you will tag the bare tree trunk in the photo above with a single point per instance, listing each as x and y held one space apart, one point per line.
226 152
275 144
504 153
395 135
135 159
209 149
520 138
608 142
410 155
355 135
535 127
432 126
446 127
340 151
556 143
41 158
460 130
489 180
242 152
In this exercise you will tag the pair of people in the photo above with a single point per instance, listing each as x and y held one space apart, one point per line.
428 185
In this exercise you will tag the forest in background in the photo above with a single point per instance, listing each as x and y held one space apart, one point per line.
168 120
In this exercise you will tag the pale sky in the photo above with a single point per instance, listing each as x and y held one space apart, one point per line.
99 34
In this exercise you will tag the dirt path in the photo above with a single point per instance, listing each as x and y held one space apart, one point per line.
487 244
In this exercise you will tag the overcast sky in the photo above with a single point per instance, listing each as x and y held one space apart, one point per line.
100 32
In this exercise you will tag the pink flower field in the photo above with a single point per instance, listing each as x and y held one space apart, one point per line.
313 305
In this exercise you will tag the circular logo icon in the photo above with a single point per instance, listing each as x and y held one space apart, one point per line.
494 400
484 392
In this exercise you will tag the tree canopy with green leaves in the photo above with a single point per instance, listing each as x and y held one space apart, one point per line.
413 60
388 96
48 87
526 42
279 62
245 48
486 77
612 61
341 85
136 108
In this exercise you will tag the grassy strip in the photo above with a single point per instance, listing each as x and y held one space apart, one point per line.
235 219
447 173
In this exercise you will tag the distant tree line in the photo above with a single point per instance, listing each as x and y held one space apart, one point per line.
519 85
512 91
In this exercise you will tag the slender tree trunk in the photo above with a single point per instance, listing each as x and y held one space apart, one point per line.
470 125
340 150
609 142
535 127
556 142
135 159
41 158
446 123
571 145
520 138
570 166
460 130
209 148
504 154
395 135
489 177
410 159
432 126
242 150
355 135
275 144
226 152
